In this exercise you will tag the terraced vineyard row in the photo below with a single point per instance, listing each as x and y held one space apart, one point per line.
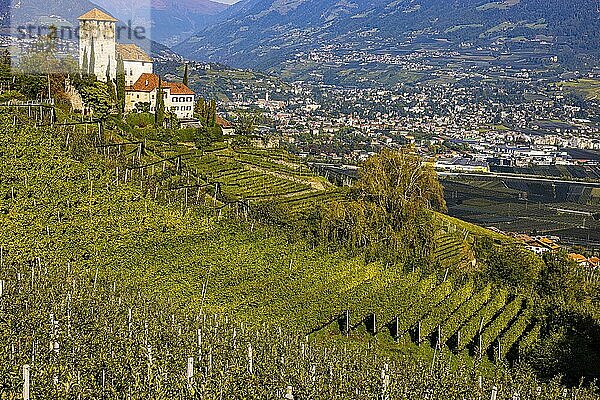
452 315
450 251
95 338
244 177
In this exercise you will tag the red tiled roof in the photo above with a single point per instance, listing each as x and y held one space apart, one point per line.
178 88
97 15
149 82
146 83
223 123
132 52
577 257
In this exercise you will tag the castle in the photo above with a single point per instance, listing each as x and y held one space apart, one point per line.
99 52
98 49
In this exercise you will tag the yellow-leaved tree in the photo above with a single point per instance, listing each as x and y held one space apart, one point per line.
390 209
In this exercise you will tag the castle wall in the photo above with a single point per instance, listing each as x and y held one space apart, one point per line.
102 36
135 69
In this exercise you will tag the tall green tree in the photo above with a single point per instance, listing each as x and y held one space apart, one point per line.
401 183
159 113
112 90
98 98
246 123
120 85
85 64
211 119
389 210
92 64
199 109
186 78
206 112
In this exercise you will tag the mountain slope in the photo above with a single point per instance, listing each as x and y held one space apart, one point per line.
171 20
263 33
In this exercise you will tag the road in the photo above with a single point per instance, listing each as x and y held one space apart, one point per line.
519 178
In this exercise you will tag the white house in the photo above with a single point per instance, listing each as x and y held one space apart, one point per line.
178 97
135 61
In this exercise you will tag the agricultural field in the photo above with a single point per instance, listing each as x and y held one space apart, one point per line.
124 275
571 211
588 88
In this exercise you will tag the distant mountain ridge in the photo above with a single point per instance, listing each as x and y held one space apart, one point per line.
175 20
264 33
172 21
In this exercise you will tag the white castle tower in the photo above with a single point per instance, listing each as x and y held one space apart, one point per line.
97 44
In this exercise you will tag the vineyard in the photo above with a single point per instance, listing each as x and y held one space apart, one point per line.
447 315
129 271
249 174
74 335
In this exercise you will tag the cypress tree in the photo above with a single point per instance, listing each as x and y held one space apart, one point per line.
110 83
120 84
92 66
212 113
186 77
159 113
200 110
85 69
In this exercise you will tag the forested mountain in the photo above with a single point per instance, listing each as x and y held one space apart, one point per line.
263 33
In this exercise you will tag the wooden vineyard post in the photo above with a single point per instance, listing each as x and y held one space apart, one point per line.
479 338
346 322
494 394
438 344
374 322
289 395
396 328
99 132
26 381
250 360
1 288
499 354
458 339
189 373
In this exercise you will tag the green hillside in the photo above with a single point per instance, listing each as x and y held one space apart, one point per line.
121 258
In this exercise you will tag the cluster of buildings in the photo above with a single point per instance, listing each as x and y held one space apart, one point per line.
527 122
98 36
583 261
544 244
539 244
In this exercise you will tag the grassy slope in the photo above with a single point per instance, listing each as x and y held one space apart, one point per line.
77 215
589 88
